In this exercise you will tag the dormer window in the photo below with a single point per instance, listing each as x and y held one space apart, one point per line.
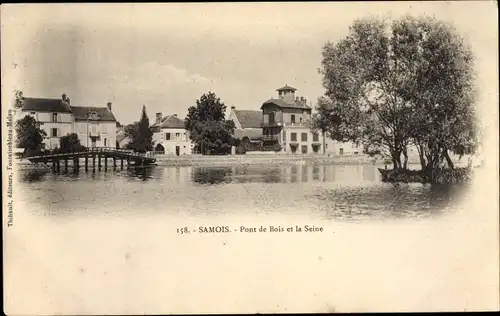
93 115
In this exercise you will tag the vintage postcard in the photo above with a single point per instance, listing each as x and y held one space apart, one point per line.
179 158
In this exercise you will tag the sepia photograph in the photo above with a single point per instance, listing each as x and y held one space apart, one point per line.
180 158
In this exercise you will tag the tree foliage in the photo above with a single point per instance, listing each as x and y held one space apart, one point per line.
208 128
29 135
18 99
70 143
409 82
141 136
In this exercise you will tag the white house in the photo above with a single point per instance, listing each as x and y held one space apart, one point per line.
54 116
95 126
286 121
170 136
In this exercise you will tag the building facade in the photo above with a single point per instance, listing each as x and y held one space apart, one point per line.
95 126
286 121
170 136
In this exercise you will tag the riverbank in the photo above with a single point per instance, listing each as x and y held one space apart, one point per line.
252 159
438 176
199 160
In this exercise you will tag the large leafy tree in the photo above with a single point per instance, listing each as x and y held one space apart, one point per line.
29 135
208 127
141 136
408 82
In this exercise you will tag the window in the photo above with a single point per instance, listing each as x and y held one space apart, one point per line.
105 142
293 137
167 136
271 118
292 118
303 137
53 132
54 117
177 135
300 120
315 137
304 149
356 153
33 113
341 151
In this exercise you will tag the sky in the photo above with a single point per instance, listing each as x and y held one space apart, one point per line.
165 56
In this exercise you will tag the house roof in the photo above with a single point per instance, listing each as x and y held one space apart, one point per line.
45 104
286 88
120 136
249 118
81 113
171 121
297 104
251 133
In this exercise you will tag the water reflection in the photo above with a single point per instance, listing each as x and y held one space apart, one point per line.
206 175
332 191
142 173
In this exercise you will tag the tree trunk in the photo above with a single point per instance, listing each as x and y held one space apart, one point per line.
324 143
394 163
448 159
423 163
405 154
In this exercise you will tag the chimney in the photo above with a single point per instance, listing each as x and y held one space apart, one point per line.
175 115
65 98
158 118
109 105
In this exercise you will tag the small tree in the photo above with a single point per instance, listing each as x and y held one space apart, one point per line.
140 134
18 99
326 120
29 135
207 126
70 143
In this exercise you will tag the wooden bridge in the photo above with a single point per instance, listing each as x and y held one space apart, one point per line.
101 154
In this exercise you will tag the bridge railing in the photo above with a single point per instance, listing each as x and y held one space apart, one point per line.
95 150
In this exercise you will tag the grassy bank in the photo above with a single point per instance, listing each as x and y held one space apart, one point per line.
438 176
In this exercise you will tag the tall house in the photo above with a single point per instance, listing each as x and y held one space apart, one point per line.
54 115
170 136
95 126
286 120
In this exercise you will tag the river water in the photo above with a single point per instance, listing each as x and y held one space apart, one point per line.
108 243
343 192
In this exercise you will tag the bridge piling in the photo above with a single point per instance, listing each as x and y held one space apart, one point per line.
121 163
93 162
53 165
66 164
114 162
86 163
99 161
58 165
75 165
105 163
